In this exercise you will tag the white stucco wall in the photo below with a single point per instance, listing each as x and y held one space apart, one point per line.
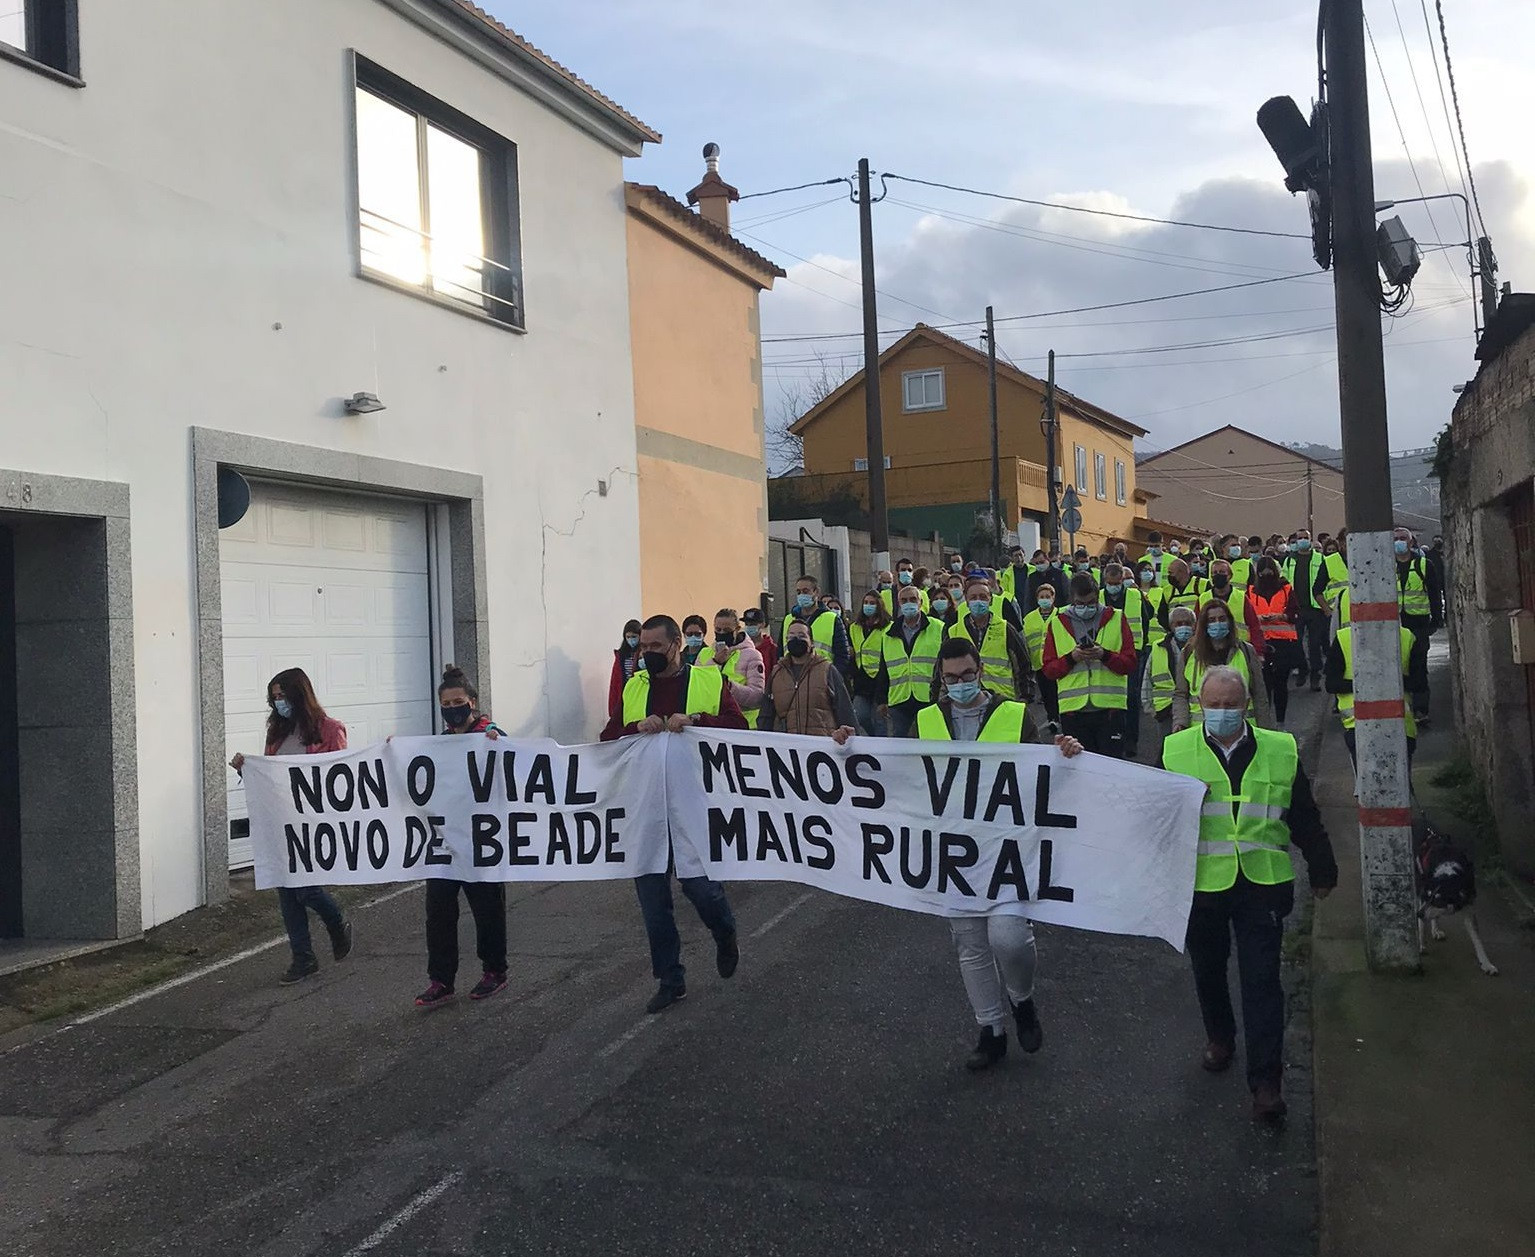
157 223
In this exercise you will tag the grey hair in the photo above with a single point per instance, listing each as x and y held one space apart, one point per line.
1181 612
1221 672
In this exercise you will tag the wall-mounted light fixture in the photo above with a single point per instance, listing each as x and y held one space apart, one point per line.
363 404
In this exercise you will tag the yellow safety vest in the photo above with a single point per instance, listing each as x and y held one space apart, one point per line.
1035 626
1090 684
1344 602
887 596
1163 683
705 686
1134 611
1413 595
1337 577
1346 701
1236 603
1005 724
1244 827
823 632
1196 675
1190 596
1241 574
996 667
1155 597
867 647
735 674
911 676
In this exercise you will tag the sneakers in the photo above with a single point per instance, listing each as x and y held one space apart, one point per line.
990 1048
490 984
341 941
727 954
1217 1057
1268 1104
665 997
299 970
1031 1036
436 994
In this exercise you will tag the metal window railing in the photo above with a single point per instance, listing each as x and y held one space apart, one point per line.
433 266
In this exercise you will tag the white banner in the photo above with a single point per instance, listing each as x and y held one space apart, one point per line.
940 827
464 807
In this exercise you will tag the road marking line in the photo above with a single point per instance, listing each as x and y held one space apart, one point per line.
395 1221
625 1037
183 979
772 921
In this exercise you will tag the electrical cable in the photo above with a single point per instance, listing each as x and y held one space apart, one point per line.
1418 91
798 187
1444 100
1449 70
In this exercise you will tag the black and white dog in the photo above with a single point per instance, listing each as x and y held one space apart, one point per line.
1447 886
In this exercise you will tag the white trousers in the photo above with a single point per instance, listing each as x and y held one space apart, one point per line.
995 951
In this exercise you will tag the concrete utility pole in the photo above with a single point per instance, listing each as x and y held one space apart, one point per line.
996 457
879 518
1385 817
1310 504
1053 528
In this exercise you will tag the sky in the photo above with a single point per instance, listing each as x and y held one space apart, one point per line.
1108 104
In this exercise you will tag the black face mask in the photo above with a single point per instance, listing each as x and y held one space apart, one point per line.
798 647
656 662
724 639
1220 582
456 717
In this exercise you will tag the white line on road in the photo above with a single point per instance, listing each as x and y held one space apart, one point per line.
772 921
625 1037
395 1221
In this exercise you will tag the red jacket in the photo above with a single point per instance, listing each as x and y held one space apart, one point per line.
1121 662
768 649
623 669
332 738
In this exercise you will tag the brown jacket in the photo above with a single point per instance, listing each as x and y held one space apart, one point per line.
805 704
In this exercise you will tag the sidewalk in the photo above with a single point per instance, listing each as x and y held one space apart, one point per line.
1425 1086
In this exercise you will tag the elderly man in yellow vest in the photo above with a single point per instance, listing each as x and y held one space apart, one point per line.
1257 806
996 951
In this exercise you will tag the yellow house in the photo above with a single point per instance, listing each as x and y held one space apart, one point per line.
697 350
934 399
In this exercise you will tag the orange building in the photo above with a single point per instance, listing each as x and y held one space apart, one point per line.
934 398
697 350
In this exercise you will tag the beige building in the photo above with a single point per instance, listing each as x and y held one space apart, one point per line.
1232 480
693 313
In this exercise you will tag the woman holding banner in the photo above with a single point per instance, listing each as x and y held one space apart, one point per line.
458 701
297 725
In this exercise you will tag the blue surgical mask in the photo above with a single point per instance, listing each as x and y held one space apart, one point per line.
1303 545
1155 552
1182 633
1147 576
1219 630
885 587
752 630
1046 605
804 601
1400 547
963 692
911 610
940 606
1113 587
870 608
904 577
631 640
979 606
1233 552
1041 566
1198 569
1222 722
283 708
694 640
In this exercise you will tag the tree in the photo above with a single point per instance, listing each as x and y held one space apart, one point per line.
786 449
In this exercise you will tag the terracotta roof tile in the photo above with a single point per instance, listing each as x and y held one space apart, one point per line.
676 210
474 11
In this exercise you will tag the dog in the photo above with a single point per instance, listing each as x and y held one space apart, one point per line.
1446 887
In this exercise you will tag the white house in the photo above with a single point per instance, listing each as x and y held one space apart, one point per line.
218 223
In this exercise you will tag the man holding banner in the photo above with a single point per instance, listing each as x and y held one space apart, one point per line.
997 941
667 695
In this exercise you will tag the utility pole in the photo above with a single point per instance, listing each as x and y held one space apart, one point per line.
1487 268
1385 817
996 457
1053 528
1310 505
879 518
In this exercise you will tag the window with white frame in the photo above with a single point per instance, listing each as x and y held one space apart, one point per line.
922 390
862 464
1081 481
1119 481
1100 477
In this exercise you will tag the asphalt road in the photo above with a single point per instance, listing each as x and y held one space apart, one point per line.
814 1103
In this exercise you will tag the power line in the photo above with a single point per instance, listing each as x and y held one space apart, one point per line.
1444 100
798 187
1082 209
1418 91
1449 70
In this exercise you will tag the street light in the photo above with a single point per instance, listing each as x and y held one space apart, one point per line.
1484 266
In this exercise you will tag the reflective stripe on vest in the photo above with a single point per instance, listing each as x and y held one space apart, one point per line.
1090 684
1134 612
1346 701
1195 676
1241 574
1337 577
823 632
1244 827
1034 625
1155 597
735 674
1413 594
996 667
911 676
867 648
704 689
1236 603
1190 596
1273 617
1163 682
1005 724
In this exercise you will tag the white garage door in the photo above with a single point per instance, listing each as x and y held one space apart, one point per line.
335 584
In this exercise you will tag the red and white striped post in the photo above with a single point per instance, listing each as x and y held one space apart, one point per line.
1380 733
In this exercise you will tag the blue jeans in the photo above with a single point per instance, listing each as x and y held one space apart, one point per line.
295 902
655 896
868 721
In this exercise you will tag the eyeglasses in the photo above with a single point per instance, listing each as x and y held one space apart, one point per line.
964 678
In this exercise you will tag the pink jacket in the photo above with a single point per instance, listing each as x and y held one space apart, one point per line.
332 738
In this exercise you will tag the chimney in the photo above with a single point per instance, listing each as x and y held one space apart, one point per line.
713 195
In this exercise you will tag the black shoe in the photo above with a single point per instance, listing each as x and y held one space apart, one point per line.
990 1048
727 954
1031 1036
665 997
341 941
1316 686
300 969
